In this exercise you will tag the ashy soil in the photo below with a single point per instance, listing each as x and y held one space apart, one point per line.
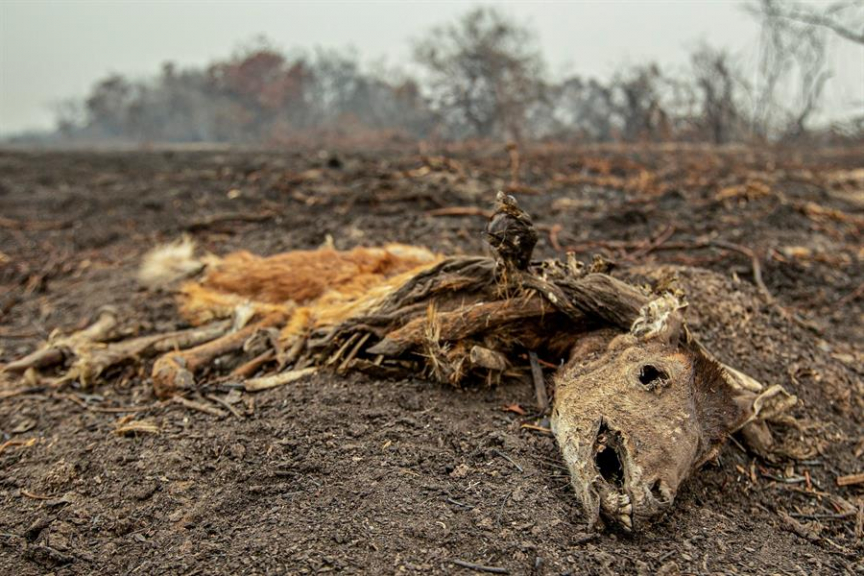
358 476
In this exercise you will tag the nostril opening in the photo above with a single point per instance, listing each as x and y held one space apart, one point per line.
656 491
610 467
606 457
650 376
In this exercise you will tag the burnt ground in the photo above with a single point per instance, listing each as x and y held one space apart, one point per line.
353 475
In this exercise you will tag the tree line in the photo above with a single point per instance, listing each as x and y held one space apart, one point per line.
483 77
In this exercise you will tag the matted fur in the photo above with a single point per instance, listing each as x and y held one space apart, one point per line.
316 287
169 263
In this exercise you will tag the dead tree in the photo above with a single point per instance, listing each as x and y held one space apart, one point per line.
718 85
486 74
795 49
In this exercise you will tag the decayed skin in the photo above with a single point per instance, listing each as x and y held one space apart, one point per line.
633 421
635 414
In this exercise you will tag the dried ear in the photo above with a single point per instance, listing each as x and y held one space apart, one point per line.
715 400
729 401
772 403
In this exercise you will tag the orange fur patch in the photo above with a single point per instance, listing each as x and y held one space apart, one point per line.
317 287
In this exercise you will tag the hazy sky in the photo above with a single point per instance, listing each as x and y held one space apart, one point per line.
51 50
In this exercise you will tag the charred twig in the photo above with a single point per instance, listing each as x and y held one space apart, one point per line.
651 245
859 522
23 443
851 479
798 528
227 406
460 504
852 296
122 409
754 260
480 567
109 409
722 244
34 225
501 507
822 516
539 383
21 391
791 480
198 406
507 458
460 211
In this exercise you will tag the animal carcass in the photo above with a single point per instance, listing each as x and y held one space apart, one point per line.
639 404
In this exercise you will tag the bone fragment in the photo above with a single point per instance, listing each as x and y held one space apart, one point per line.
100 330
91 362
659 319
247 369
91 356
175 372
486 358
740 381
267 382
39 359
56 350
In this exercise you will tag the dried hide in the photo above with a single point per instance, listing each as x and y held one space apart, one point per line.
639 404
318 280
636 413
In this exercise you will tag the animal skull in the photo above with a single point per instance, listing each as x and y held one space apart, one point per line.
636 413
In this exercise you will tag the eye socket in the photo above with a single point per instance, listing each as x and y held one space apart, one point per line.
651 377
